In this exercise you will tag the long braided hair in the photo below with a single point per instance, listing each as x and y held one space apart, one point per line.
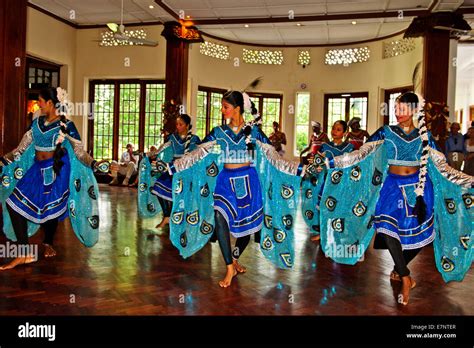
187 119
236 98
61 109
414 102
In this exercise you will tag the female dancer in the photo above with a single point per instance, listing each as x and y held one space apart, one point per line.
356 136
313 186
235 183
177 145
406 212
45 175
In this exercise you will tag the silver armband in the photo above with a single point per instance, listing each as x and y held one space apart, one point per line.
351 158
285 166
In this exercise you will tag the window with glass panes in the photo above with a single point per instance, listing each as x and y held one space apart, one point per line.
104 95
155 97
125 111
129 115
345 106
269 107
209 105
201 115
302 122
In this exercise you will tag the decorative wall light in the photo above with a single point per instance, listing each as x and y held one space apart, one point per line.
262 57
214 50
304 58
108 39
347 56
398 47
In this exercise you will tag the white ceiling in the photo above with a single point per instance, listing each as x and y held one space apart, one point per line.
322 32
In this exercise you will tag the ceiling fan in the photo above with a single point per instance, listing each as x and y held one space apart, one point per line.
121 35
462 34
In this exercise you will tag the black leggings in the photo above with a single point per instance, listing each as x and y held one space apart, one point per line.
400 257
223 236
20 227
166 206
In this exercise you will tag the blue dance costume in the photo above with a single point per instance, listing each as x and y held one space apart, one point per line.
32 189
313 186
360 197
262 196
154 185
162 186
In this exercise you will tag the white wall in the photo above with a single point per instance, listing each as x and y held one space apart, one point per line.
54 41
465 83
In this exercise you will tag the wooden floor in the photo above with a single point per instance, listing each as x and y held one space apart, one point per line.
155 280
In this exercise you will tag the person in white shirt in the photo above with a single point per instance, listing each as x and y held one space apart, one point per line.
127 166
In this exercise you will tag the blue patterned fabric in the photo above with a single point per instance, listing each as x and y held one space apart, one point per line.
192 218
233 145
45 137
162 187
402 149
454 226
153 185
178 144
40 195
148 205
83 207
394 211
312 188
331 150
238 198
348 207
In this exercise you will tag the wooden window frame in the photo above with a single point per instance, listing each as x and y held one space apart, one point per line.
262 96
348 108
209 91
116 112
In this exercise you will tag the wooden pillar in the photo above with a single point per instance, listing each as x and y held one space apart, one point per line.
178 38
435 83
177 54
12 73
436 66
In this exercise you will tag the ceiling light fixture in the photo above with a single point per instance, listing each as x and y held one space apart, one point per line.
246 25
113 26
151 6
354 22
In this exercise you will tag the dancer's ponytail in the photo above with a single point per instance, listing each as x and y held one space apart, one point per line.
420 206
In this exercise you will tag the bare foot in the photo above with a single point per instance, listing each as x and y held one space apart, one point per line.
407 284
18 261
49 250
164 222
315 238
238 267
231 273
